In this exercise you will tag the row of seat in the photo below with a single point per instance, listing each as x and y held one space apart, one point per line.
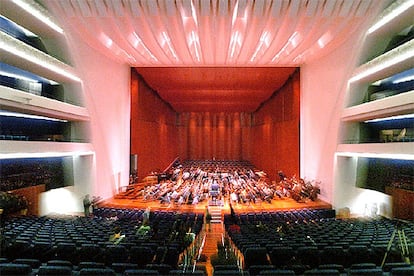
264 241
31 267
399 268
79 239
60 267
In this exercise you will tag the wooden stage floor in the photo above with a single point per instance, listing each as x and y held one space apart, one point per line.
275 205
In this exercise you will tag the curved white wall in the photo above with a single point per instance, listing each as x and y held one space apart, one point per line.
323 92
106 91
106 85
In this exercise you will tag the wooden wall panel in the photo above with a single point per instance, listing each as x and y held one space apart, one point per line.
154 133
275 132
211 135
31 194
269 138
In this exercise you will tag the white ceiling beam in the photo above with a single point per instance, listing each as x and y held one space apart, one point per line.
362 8
329 8
311 8
101 8
84 8
346 8
276 8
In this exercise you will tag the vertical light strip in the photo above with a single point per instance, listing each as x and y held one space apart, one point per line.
38 13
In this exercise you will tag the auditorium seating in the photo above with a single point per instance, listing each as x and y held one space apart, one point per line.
315 242
81 243
303 242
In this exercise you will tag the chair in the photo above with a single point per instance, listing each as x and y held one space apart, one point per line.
66 251
141 272
279 272
338 267
177 272
161 268
255 256
3 260
34 263
18 249
363 266
297 268
281 256
54 270
115 254
90 253
42 250
226 267
388 266
15 269
358 254
317 272
97 271
402 271
90 265
141 255
271 272
256 269
60 263
366 271
309 255
334 255
121 267
171 257
231 273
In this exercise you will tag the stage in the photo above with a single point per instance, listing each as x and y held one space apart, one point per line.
282 204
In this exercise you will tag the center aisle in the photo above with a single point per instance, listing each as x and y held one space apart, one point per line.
214 235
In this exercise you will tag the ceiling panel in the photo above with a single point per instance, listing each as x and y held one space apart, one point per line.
211 54
215 89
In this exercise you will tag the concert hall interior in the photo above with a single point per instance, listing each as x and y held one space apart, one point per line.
279 133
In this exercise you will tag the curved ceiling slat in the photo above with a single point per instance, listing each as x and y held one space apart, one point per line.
213 34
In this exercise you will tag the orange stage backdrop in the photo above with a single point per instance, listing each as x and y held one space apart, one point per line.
205 135
153 128
269 137
275 133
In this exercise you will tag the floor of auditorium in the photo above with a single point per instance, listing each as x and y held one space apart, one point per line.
217 229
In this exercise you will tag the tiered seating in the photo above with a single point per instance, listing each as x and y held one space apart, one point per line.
80 244
314 242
